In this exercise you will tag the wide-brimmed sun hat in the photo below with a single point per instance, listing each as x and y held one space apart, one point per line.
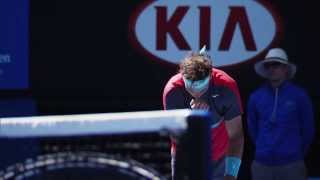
275 55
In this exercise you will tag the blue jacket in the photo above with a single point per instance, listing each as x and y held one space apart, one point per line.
280 123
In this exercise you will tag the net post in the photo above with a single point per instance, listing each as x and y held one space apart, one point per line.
193 158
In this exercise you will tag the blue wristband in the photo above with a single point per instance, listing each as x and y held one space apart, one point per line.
232 166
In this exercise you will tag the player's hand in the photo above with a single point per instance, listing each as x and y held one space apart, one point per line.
198 104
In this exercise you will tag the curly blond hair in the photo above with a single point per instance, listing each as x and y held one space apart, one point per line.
195 67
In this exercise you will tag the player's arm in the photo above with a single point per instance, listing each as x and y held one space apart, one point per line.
173 99
236 138
236 144
233 122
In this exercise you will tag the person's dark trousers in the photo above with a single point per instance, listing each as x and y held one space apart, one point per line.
292 171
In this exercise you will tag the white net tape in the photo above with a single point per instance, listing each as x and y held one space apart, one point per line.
94 124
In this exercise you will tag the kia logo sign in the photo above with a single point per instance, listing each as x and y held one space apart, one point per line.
233 31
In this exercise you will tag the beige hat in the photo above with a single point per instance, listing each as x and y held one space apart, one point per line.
275 55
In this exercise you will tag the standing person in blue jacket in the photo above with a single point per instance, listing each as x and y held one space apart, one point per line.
280 121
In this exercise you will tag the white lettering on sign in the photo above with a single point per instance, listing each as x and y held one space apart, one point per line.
5 58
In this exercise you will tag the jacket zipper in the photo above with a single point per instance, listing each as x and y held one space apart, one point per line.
273 115
275 106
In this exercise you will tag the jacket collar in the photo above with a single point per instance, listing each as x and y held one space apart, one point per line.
284 84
